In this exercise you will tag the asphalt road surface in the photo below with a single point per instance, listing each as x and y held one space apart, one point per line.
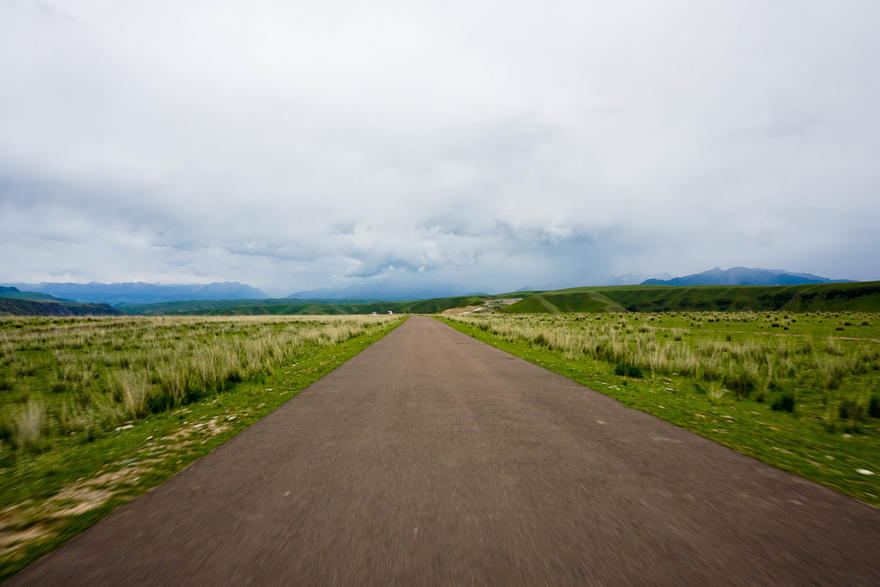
433 458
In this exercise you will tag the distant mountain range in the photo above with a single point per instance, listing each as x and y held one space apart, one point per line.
745 276
386 291
134 293
141 293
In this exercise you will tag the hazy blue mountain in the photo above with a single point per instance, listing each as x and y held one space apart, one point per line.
13 293
143 293
637 278
387 291
744 276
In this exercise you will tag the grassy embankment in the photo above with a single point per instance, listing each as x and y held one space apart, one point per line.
95 411
838 297
798 391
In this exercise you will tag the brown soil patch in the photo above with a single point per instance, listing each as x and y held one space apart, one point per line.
15 540
85 495
210 427
84 499
90 494
504 301
457 311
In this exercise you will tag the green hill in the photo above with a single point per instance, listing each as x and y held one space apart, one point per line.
13 293
26 307
14 302
860 296
565 301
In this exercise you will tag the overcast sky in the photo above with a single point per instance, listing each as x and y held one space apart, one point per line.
296 145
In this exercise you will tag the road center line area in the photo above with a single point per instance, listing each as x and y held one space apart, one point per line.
433 458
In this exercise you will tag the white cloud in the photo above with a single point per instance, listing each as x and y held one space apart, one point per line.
301 145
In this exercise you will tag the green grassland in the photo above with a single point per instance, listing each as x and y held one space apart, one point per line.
864 297
854 297
800 391
95 411
301 307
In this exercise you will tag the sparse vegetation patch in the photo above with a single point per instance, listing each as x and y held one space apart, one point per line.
95 411
787 388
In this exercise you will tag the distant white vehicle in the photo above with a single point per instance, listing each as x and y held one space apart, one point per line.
374 313
390 312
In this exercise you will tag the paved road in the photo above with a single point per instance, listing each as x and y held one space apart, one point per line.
432 458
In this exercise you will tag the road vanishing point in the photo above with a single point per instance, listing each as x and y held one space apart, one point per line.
432 458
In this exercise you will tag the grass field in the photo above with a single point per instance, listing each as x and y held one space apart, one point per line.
797 390
95 411
863 296
300 307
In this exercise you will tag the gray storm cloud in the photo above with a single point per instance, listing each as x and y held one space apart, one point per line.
310 144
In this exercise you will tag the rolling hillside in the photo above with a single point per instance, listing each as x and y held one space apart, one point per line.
23 307
14 302
566 301
16 294
861 296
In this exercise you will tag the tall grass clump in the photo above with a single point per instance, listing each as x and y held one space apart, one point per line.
806 364
28 423
62 376
134 392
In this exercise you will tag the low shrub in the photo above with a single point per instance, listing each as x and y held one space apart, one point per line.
851 410
874 406
27 427
742 383
626 370
783 403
